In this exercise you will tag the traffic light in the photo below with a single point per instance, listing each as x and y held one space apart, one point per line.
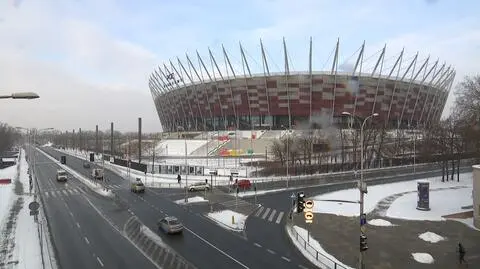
363 242
300 202
92 157
63 159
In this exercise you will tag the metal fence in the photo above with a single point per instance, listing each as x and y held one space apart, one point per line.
318 256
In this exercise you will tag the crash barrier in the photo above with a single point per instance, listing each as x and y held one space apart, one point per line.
158 253
325 261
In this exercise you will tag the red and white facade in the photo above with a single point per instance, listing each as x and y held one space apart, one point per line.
218 100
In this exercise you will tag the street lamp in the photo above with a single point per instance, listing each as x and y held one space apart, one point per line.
362 186
288 152
186 162
20 95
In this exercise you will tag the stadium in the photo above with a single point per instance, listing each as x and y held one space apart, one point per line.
208 94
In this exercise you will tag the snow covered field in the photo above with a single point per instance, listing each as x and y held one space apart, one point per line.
378 192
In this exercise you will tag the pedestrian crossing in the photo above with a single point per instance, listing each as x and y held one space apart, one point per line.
269 214
63 192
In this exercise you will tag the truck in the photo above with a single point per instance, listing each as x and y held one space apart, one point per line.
61 175
97 174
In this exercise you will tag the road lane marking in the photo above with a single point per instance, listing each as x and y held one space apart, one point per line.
257 245
279 218
272 215
71 214
285 258
259 211
219 250
64 192
266 213
47 194
303 267
86 240
78 225
99 261
270 251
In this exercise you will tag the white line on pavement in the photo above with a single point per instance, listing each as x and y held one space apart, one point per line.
100 261
86 240
285 258
257 245
219 250
78 225
271 251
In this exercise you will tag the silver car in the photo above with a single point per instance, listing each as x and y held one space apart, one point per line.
200 186
170 225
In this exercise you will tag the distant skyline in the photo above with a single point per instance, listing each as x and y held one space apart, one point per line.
90 60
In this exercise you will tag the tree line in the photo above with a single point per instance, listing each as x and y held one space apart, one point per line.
8 137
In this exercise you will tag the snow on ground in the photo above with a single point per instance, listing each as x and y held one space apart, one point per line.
96 187
325 260
442 202
6 191
423 257
431 237
153 236
224 218
468 222
380 222
176 147
378 192
195 199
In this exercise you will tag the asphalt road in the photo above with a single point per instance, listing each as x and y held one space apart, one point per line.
203 242
82 238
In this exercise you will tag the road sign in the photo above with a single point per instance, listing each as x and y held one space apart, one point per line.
34 206
33 212
293 196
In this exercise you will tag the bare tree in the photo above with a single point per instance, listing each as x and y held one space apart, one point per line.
8 137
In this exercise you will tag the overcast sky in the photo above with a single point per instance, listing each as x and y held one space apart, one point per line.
89 60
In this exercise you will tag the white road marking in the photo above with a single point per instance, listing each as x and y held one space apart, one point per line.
78 225
219 250
259 211
47 194
279 218
71 214
285 258
272 215
271 251
303 267
86 240
64 192
100 261
266 213
257 245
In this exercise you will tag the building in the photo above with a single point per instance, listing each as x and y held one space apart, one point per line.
476 196
191 96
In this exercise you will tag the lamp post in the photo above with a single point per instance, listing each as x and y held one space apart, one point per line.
20 95
180 128
288 152
362 186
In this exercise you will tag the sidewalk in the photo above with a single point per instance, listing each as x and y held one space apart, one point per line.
24 242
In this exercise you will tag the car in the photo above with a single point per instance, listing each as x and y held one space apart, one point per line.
62 175
137 187
199 186
243 184
170 225
86 165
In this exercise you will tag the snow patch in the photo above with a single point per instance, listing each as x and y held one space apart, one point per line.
195 199
153 236
380 222
325 260
431 237
442 202
423 257
224 218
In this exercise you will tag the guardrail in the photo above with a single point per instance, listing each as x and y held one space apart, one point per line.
318 256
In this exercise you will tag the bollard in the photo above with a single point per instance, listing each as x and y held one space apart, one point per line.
233 219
